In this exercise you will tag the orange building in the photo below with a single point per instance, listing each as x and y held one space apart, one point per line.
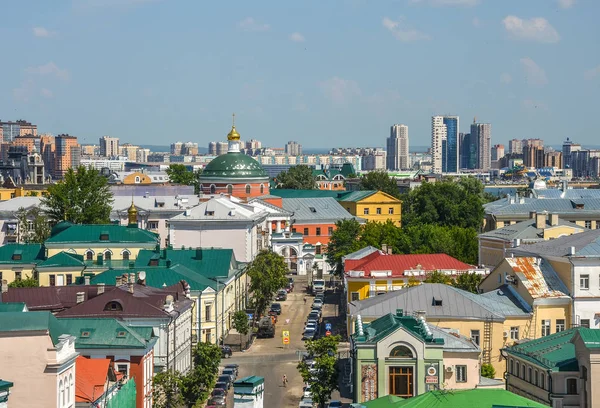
28 141
67 155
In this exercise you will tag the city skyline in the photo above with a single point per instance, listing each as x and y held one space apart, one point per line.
146 71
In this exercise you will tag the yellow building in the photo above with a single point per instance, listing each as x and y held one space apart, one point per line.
373 206
538 228
8 193
492 320
17 261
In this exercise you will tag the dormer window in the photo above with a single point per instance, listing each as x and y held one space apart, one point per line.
17 256
312 209
113 306
85 333
104 236
210 213
437 302
121 333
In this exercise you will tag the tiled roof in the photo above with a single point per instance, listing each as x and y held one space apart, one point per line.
13 307
209 262
51 298
97 333
555 352
538 277
32 321
480 398
456 303
91 378
63 259
389 323
586 244
28 253
314 210
527 231
91 234
398 264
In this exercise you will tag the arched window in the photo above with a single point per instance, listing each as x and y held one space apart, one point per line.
247 188
113 306
516 368
89 256
401 352
126 255
510 366
137 179
67 391
107 256
71 387
213 188
61 390
262 189
229 189
572 386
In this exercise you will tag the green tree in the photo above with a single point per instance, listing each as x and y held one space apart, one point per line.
165 390
438 277
33 225
82 197
323 378
179 174
379 180
240 324
24 283
195 386
412 281
299 177
32 194
267 275
468 281
343 241
488 370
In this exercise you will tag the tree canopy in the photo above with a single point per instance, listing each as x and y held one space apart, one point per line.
82 197
379 180
240 324
267 273
468 281
323 379
179 174
299 177
28 282
38 231
342 242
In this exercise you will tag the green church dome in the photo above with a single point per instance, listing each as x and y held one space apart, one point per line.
233 165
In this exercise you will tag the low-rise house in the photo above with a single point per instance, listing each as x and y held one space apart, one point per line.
559 370
17 261
405 356
37 351
9 223
492 320
53 299
129 349
372 205
540 227
96 381
167 310
138 177
371 272
300 257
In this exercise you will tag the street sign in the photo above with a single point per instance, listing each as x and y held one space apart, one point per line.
431 379
327 333
285 336
328 326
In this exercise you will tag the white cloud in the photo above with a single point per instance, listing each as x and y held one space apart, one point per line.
535 29
46 93
340 90
592 73
531 104
505 78
297 37
49 69
534 74
401 31
250 24
466 3
43 32
566 3
476 22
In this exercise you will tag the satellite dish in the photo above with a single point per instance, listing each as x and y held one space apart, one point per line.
142 275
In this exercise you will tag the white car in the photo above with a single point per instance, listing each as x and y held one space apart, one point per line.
317 304
306 392
306 403
310 326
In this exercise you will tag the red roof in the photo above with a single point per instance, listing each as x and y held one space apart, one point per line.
379 261
91 378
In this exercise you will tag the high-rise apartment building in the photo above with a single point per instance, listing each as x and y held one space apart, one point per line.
212 148
553 159
222 148
468 151
374 160
482 134
568 148
10 130
450 149
438 142
497 152
397 155
67 155
176 148
109 146
253 144
293 148
533 156
47 149
141 155
515 146
128 150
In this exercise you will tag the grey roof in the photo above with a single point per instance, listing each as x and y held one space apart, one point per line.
454 341
12 205
508 296
221 209
586 244
523 206
570 193
526 230
311 210
361 253
489 382
271 208
151 203
456 303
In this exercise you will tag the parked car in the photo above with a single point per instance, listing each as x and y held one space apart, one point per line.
235 367
226 351
226 379
224 385
217 401
318 311
309 334
281 294
218 392
310 326
335 404
306 403
313 316
276 307
266 328
306 392
230 371
318 303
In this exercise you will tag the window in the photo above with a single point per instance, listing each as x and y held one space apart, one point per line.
104 236
61 388
475 336
305 232
529 374
69 279
89 256
329 230
212 188
354 296
542 380
545 328
401 381
247 188
597 224
511 366
516 369
366 211
572 386
113 306
207 313
318 233
560 325
535 377
522 371
378 211
18 276
514 333
122 368
262 189
52 280
401 352
585 323
229 189
126 256
437 302
293 230
107 256
588 224
318 250
461 373
152 225
390 210
584 282
71 386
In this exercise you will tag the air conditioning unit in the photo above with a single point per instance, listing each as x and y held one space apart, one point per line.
450 369
505 334
509 278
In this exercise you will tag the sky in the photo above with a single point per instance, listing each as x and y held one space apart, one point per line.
325 73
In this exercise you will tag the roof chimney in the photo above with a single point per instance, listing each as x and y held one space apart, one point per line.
168 303
198 253
4 286
532 215
100 288
540 221
553 219
130 287
516 242
572 251
86 279
80 297
118 281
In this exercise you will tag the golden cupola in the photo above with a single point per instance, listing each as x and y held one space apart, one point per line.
132 214
233 134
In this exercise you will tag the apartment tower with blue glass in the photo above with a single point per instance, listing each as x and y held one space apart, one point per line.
451 146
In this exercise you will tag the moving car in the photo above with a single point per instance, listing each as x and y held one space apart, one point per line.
281 294
276 307
226 351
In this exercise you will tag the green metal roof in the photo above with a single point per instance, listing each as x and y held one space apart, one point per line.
4 385
89 233
32 321
480 398
106 333
389 323
63 259
232 165
290 193
555 352
389 401
355 196
13 307
208 262
591 337
29 253
252 380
